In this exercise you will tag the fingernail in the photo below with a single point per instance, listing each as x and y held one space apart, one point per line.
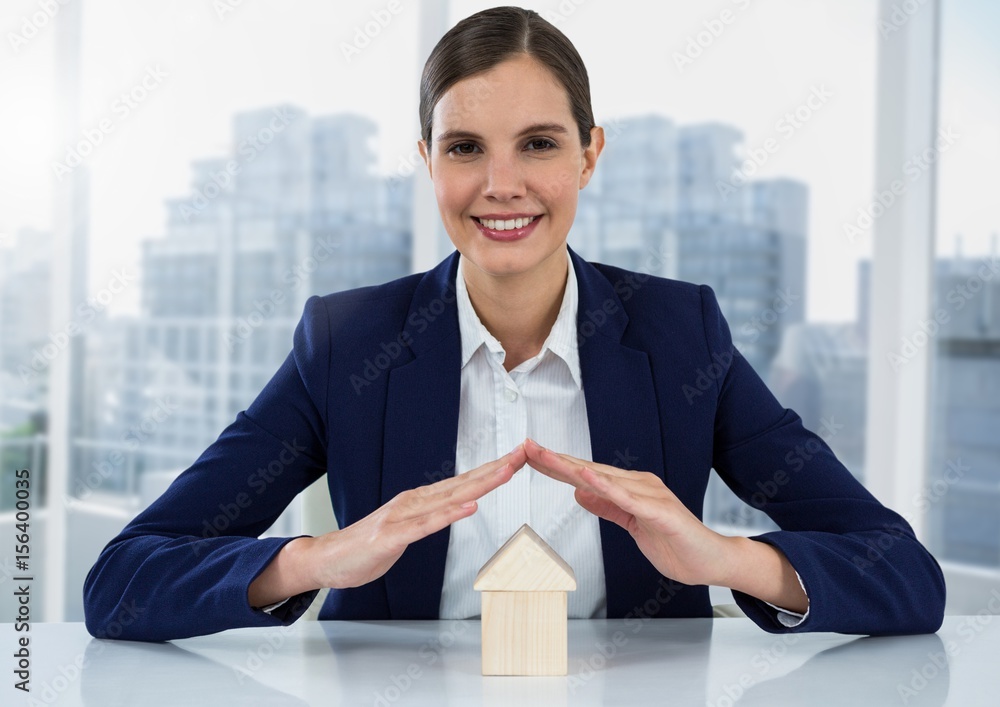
535 443
520 444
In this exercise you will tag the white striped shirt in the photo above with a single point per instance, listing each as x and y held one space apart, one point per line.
541 398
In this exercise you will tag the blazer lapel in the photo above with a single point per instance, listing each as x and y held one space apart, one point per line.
624 420
421 434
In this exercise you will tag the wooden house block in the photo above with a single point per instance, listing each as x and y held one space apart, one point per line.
524 589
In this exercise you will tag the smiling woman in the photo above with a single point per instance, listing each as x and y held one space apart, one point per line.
617 490
491 167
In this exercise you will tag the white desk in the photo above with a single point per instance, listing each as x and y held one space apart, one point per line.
664 662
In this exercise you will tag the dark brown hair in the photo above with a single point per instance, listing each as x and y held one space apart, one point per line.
487 38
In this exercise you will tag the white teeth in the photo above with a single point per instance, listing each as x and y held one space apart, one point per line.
508 224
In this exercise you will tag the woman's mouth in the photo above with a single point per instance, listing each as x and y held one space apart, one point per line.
507 229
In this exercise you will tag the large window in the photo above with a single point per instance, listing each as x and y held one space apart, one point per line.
963 479
185 175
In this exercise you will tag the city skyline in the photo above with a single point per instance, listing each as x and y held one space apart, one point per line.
154 148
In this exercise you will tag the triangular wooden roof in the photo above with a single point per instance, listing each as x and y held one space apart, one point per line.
525 563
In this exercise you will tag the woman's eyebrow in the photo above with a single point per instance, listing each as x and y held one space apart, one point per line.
534 128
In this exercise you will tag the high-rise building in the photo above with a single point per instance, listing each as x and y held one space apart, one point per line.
294 210
707 156
673 197
962 491
821 372
627 211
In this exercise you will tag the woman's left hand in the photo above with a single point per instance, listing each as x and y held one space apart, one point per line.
678 544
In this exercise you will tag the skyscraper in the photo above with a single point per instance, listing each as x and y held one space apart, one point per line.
293 210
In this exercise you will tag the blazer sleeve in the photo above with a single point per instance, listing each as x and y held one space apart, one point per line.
860 563
183 566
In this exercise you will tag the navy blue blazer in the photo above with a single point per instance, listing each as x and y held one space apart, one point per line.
369 398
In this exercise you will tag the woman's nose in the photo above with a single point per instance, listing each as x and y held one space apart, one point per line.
504 178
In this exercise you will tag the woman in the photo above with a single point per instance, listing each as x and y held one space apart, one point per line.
514 337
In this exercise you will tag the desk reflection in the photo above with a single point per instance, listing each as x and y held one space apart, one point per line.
659 661
606 661
884 670
129 673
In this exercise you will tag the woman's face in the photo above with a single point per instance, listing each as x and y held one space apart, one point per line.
504 143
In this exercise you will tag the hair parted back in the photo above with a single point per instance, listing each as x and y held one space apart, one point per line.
487 38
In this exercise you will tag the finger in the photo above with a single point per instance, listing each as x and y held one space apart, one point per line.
638 483
538 455
569 472
465 487
516 458
605 468
410 530
629 500
603 508
560 472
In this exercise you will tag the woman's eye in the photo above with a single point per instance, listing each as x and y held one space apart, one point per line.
544 142
457 148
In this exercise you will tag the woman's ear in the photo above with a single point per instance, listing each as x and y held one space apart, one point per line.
591 154
425 153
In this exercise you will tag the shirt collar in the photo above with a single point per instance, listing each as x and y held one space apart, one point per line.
561 339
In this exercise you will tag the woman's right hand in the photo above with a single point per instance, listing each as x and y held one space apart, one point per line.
365 550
